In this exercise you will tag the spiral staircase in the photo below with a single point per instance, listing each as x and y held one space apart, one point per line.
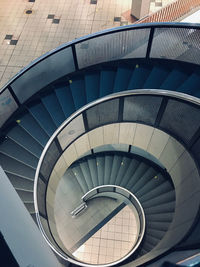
111 66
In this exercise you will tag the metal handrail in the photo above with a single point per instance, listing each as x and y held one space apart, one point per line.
174 95
149 38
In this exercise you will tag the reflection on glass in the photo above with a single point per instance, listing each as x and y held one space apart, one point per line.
113 241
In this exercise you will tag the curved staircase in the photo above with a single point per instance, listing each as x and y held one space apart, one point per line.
25 134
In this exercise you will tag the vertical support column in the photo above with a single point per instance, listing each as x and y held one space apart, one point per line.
140 8
19 230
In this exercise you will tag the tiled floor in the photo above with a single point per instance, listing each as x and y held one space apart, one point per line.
112 242
29 28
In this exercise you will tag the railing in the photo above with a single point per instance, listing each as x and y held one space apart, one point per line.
59 145
114 190
171 12
169 41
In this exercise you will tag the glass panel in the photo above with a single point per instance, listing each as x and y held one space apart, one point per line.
49 161
145 154
113 46
41 196
47 231
103 113
106 189
74 129
43 73
114 147
176 43
181 120
7 106
141 108
123 192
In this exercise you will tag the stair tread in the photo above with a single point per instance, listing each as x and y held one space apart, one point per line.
14 150
92 81
24 139
78 92
65 99
28 122
107 78
52 105
42 116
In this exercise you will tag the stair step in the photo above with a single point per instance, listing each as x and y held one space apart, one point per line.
20 182
108 168
115 168
92 81
162 226
148 174
162 208
100 168
14 150
191 85
139 172
152 240
80 178
93 171
161 199
21 137
78 92
65 99
157 191
162 217
139 76
86 174
129 172
26 196
52 104
158 234
156 77
151 184
122 78
28 122
122 170
11 165
175 79
107 79
42 116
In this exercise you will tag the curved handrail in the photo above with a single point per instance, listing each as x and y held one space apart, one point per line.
98 34
182 98
103 33
135 202
144 92
136 41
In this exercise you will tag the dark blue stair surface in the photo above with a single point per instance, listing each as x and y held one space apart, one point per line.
65 99
174 79
43 117
92 82
52 105
78 92
107 78
28 122
139 76
156 77
122 78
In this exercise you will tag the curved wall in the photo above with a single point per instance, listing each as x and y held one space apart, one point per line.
166 149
